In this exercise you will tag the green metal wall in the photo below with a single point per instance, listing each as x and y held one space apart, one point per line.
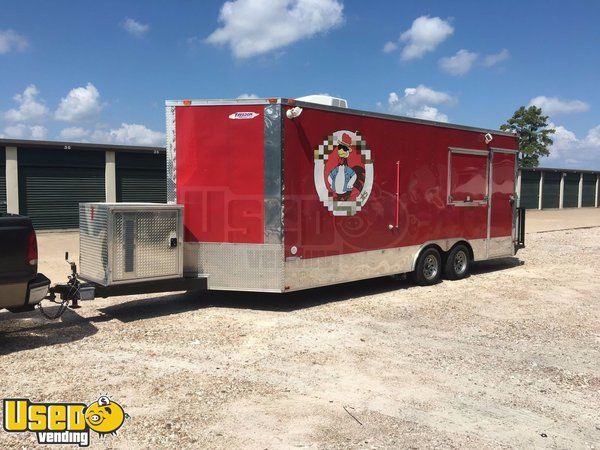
141 177
530 189
589 190
551 190
52 183
571 190
2 181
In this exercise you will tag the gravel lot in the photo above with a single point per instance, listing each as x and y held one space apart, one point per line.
506 358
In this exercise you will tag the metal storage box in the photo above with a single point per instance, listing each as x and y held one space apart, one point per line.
130 242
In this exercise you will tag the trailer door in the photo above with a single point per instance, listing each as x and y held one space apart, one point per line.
501 206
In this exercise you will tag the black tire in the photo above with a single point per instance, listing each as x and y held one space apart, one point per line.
428 269
458 263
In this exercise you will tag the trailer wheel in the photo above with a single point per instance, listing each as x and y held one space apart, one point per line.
458 263
428 269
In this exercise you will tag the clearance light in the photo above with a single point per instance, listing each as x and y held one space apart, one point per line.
187 102
272 100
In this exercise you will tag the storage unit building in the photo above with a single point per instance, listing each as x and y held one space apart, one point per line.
141 177
52 184
560 188
588 192
551 190
530 189
50 179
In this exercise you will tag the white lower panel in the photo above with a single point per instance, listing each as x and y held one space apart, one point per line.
261 267
500 247
314 272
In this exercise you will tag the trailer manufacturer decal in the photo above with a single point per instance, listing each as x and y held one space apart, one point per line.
343 172
63 423
243 115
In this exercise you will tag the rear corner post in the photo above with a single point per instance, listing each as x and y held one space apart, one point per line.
12 180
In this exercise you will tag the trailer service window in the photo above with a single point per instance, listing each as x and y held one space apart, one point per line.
468 177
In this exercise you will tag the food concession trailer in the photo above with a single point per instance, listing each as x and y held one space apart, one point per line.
280 195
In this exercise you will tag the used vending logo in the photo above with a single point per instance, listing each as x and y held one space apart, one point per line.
243 115
343 172
63 423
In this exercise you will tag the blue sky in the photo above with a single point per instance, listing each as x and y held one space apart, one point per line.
100 71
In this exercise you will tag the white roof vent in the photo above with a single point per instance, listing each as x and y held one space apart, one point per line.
324 100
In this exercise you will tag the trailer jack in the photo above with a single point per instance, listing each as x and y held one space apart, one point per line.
71 291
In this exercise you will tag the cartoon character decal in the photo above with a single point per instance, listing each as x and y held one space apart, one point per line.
105 416
343 172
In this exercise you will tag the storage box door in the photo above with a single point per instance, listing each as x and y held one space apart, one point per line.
468 177
145 245
502 187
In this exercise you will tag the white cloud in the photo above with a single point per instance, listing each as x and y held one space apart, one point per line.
135 28
10 40
417 102
79 104
424 35
570 151
29 108
253 27
38 132
389 47
129 134
460 63
247 96
554 105
73 134
495 58
22 131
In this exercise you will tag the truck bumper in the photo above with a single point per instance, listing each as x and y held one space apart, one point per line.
37 289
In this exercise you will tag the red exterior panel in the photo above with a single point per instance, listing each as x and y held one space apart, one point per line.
503 177
220 173
421 152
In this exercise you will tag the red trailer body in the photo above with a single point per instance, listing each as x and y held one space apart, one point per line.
275 203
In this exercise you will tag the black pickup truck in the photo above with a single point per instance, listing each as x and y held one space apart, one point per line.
21 287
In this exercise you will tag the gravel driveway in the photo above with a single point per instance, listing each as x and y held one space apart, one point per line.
505 358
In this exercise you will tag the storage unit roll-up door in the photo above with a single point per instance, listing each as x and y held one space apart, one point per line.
589 189
52 183
141 177
2 181
530 189
571 192
551 192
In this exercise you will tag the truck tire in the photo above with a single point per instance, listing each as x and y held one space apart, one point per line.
458 263
428 269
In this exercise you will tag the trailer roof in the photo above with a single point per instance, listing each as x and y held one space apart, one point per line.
359 112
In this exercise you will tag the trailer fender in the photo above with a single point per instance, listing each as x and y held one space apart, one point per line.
443 246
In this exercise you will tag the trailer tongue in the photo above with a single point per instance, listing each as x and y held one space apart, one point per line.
277 195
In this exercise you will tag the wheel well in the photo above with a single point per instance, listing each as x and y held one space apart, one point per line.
425 248
442 252
466 244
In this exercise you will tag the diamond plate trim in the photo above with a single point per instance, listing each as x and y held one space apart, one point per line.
171 155
239 267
